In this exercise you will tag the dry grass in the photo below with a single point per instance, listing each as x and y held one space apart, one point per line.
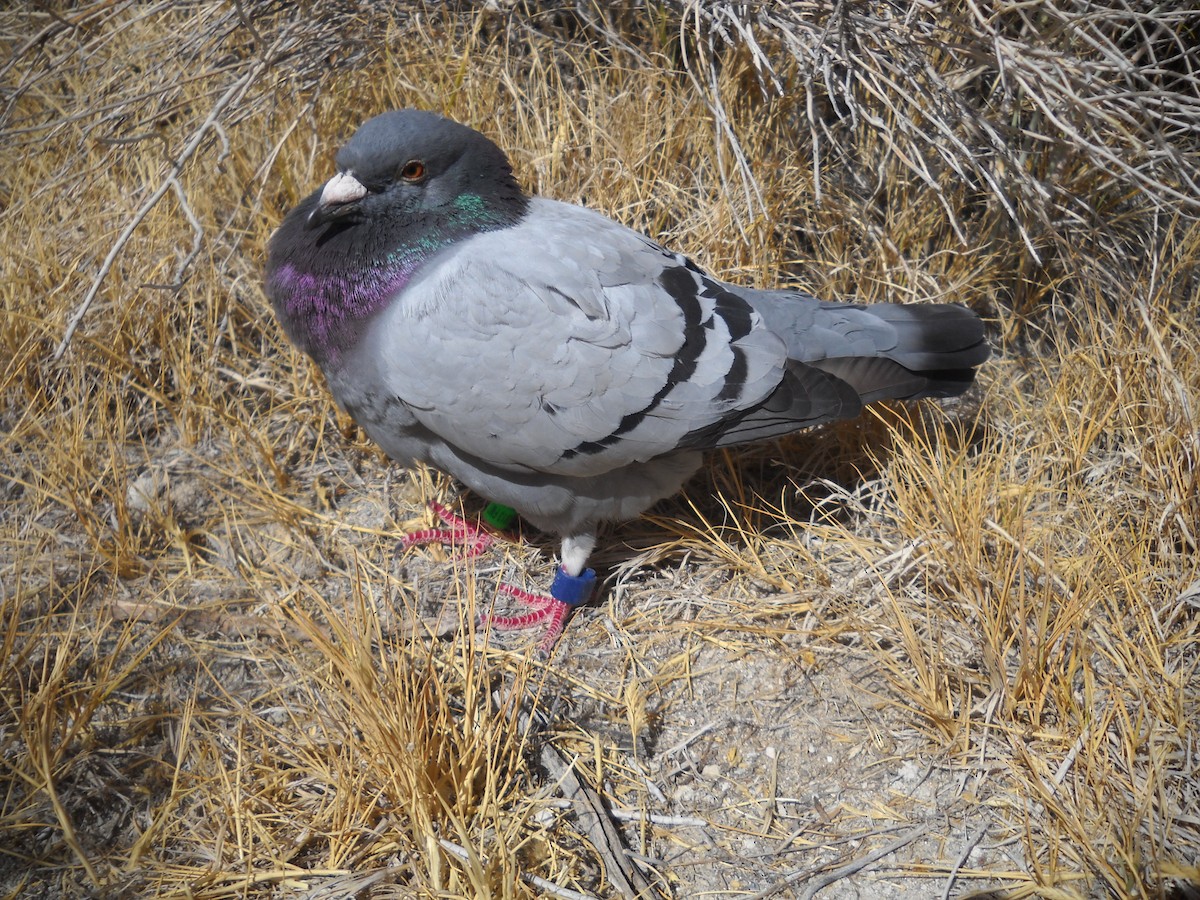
220 679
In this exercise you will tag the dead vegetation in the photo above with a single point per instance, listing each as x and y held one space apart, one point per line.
930 652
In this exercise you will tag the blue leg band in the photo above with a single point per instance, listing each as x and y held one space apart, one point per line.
572 589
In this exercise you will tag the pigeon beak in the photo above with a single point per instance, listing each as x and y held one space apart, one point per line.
338 197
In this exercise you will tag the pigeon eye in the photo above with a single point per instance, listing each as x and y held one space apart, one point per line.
413 170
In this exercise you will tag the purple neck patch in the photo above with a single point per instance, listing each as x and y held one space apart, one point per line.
324 312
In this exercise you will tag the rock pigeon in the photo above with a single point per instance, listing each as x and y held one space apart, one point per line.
553 360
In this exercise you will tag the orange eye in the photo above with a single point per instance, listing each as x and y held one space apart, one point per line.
413 170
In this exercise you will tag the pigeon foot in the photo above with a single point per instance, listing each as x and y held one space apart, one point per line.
458 532
553 609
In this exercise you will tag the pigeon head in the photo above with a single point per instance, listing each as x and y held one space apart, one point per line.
409 184
408 164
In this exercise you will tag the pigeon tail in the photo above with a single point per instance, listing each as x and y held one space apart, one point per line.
935 353
843 356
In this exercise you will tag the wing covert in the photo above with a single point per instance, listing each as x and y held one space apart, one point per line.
570 344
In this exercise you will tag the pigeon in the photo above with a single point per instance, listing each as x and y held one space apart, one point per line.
553 360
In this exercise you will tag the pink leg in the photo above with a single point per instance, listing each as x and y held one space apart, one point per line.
472 538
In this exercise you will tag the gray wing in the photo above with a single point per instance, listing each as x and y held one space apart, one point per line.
572 345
